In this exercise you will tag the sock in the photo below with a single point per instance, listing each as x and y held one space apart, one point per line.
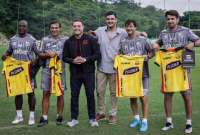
19 113
31 114
169 119
137 117
144 120
45 117
57 115
189 122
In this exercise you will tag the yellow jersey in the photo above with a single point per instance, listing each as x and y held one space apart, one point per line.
17 76
56 71
129 75
174 77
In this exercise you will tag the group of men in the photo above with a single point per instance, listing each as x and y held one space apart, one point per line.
81 51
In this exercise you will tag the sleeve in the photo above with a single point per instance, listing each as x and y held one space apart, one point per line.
148 45
66 53
36 47
121 51
159 41
158 58
96 51
116 62
149 48
120 48
192 36
9 51
97 32
43 45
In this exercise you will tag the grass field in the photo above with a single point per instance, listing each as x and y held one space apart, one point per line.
156 115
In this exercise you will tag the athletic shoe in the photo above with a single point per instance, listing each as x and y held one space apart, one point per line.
188 129
72 123
17 120
59 120
100 117
31 121
168 126
112 119
93 123
42 122
134 123
144 127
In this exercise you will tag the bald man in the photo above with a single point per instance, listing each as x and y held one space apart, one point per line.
22 46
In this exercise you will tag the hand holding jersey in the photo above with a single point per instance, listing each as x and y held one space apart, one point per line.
171 64
136 50
53 72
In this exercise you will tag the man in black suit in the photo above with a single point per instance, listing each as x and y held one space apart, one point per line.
81 51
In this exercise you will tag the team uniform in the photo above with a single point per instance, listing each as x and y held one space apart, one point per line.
55 66
138 46
129 76
178 38
171 67
55 45
24 49
17 76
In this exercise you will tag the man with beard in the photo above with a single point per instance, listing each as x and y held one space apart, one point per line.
173 37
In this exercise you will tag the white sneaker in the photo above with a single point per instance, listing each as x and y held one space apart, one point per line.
93 123
31 121
168 126
17 120
72 123
188 129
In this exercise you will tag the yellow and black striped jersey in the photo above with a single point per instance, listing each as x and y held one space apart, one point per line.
55 66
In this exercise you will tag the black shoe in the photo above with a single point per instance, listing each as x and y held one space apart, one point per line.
188 129
59 120
42 122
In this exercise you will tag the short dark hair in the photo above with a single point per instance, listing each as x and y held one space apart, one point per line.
77 20
54 22
129 21
172 13
24 22
111 13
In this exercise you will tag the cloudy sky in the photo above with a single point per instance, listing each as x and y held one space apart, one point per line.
180 5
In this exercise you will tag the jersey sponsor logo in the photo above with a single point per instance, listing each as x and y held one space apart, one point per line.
173 65
21 52
16 71
131 70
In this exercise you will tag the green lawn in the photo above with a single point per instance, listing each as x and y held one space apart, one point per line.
156 115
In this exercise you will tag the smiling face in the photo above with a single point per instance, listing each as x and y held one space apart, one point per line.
111 21
78 28
172 21
130 29
55 29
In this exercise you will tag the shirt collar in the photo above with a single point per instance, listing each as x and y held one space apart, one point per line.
118 31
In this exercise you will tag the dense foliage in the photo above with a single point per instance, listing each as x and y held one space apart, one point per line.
40 12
